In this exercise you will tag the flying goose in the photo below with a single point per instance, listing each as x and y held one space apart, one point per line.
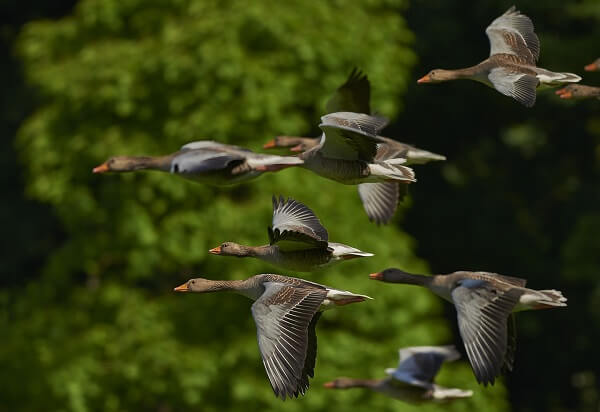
352 96
297 241
206 161
350 152
412 380
511 68
578 91
286 311
484 302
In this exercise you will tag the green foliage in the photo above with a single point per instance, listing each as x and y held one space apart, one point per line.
101 329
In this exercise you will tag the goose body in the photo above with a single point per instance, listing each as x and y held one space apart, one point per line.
298 241
205 161
484 302
578 91
511 68
286 311
412 380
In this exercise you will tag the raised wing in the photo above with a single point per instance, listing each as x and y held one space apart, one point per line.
295 222
283 315
350 136
482 322
352 96
513 33
420 364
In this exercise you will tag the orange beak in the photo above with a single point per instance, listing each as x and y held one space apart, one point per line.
424 79
297 148
329 385
215 250
564 93
592 67
182 288
100 169
270 144
376 276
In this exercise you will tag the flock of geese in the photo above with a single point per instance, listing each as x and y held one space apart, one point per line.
351 151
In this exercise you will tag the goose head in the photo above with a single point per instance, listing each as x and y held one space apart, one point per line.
230 249
120 164
437 76
198 285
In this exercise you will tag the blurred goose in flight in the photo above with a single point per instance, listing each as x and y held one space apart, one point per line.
206 161
412 380
511 68
575 91
594 66
350 152
286 311
484 302
353 96
297 241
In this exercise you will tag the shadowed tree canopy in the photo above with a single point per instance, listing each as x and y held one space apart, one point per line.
100 328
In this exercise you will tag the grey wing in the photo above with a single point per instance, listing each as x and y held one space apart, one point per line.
351 136
482 317
311 352
513 33
283 315
197 161
212 145
511 347
352 96
379 200
394 150
422 363
296 222
519 86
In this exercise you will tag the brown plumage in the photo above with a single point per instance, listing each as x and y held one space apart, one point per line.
286 311
512 66
483 301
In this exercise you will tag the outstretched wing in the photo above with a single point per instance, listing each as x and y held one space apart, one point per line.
513 33
293 222
283 315
351 136
352 96
380 200
420 364
198 161
482 322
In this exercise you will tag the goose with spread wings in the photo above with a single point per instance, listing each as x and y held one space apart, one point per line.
206 161
286 311
511 68
484 303
298 241
412 380
353 96
350 152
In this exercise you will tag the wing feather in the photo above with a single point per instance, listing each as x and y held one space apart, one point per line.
284 316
